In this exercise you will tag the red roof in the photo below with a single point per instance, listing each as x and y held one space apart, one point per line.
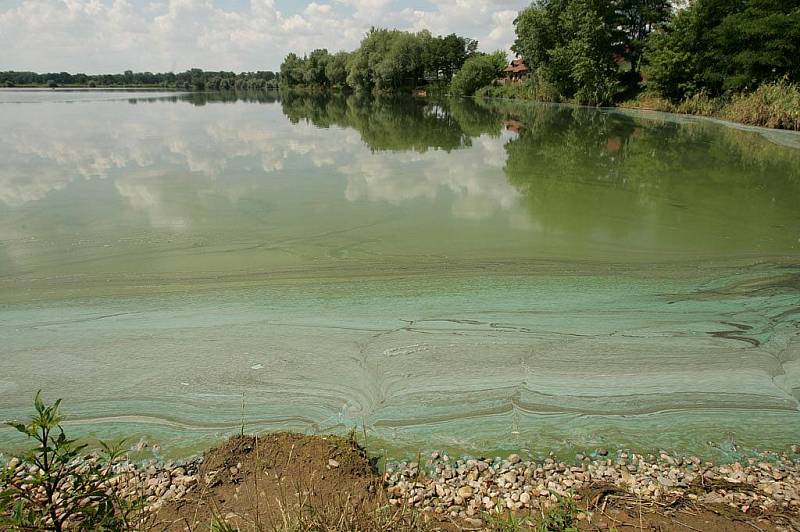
517 66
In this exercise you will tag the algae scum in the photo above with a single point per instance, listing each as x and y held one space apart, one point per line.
454 274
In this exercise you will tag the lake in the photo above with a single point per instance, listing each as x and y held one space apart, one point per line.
464 275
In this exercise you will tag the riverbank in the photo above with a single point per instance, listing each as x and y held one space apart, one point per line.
286 481
772 105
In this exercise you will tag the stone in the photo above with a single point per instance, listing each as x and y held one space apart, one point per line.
666 482
473 522
333 463
465 492
514 458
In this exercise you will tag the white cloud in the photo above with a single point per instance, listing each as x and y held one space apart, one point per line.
96 36
474 178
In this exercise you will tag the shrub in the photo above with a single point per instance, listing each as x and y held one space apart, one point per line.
537 87
651 101
54 486
478 71
698 104
775 105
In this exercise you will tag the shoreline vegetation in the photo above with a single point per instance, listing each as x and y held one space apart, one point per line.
734 61
193 79
294 482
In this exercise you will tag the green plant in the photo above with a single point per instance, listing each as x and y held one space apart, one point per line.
698 104
218 524
478 71
53 486
775 105
559 518
506 522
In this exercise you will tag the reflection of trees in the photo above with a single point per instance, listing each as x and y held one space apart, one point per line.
203 98
396 123
578 145
587 173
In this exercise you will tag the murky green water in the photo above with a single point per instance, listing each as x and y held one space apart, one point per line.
452 274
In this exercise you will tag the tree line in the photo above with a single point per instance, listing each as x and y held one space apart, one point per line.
385 61
601 51
738 60
193 79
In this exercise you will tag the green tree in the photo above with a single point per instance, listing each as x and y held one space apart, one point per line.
478 71
584 62
590 49
336 69
292 70
717 46
314 68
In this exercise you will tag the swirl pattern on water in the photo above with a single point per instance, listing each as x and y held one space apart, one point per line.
450 274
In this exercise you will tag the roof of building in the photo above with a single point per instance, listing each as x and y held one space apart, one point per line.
517 66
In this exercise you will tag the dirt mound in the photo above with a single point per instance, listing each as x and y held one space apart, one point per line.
270 478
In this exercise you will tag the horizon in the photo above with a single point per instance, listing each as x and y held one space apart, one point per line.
96 37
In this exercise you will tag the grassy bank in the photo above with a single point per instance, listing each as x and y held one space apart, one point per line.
773 105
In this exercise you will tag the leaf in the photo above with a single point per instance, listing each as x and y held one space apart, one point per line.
38 403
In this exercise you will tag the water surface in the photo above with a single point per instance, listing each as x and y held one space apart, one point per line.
476 276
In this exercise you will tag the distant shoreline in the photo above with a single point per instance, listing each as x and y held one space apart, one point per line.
66 88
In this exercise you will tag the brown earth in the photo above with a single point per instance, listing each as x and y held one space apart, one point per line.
291 482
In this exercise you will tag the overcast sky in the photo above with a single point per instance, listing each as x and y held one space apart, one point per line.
97 36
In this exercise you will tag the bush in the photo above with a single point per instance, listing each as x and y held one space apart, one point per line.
55 487
537 87
698 104
651 101
478 71
775 105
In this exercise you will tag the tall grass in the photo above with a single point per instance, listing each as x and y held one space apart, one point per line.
774 105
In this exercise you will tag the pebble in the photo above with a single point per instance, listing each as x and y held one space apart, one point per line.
156 483
333 463
467 487
465 492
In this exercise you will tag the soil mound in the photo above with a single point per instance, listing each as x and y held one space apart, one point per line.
271 479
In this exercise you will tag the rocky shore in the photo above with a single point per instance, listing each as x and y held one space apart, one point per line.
460 492
466 488
153 483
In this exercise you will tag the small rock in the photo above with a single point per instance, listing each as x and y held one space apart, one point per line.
473 522
465 492
333 463
514 458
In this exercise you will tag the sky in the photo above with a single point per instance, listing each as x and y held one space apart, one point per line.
109 36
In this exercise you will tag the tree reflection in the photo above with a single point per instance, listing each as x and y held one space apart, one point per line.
396 123
608 175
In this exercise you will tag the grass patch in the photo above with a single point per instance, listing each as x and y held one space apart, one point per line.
773 105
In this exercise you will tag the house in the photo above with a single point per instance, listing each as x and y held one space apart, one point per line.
516 71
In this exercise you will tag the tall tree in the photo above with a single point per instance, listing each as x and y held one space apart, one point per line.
718 45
